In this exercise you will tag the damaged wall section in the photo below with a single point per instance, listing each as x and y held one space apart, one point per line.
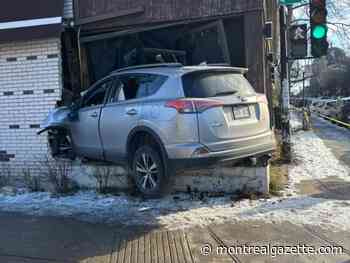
214 42
243 22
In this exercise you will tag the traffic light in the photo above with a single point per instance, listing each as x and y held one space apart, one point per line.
319 29
298 40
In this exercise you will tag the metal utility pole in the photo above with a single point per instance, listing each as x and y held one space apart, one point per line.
304 104
285 92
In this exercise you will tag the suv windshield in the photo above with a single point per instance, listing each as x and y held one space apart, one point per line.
215 84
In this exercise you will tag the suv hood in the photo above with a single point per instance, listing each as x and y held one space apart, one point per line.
57 118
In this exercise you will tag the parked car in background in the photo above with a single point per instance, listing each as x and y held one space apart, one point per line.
331 108
319 107
160 118
345 110
316 105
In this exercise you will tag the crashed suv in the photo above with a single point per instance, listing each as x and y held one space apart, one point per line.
161 118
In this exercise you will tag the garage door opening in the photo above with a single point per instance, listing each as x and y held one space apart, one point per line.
214 42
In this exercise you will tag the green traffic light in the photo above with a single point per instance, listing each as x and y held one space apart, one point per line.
319 31
289 2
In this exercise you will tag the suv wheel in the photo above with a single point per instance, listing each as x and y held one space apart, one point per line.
148 171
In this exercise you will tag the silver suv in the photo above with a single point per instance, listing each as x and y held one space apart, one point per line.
161 118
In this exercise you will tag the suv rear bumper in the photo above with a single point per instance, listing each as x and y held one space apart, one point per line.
265 146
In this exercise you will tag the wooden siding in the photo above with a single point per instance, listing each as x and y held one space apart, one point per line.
255 50
151 11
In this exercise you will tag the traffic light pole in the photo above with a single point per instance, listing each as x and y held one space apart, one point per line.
285 92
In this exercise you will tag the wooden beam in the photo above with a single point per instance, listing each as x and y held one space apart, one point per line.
111 15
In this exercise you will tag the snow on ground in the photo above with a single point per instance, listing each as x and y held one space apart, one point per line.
316 161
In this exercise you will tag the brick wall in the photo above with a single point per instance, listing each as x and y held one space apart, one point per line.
30 85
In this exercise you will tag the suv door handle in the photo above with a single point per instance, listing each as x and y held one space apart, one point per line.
217 124
94 115
131 112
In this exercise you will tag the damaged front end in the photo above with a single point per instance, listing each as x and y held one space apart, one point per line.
57 126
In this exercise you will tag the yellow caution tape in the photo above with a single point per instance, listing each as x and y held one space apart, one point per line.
347 125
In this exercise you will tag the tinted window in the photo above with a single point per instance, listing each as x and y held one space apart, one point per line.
137 86
215 84
97 97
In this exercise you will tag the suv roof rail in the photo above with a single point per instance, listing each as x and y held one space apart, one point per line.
214 64
168 65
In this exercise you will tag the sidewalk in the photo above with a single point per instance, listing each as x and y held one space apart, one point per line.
25 239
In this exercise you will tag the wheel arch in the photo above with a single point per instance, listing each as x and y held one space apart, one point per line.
142 131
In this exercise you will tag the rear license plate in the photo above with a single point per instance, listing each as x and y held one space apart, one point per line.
241 112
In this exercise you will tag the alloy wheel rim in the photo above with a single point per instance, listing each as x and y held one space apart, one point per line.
147 172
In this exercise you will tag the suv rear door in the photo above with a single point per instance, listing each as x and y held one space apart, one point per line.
242 113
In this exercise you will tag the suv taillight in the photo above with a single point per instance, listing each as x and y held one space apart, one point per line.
192 105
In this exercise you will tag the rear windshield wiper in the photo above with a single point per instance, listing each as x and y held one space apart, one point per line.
226 93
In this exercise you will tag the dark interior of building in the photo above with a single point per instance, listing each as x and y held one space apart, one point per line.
213 42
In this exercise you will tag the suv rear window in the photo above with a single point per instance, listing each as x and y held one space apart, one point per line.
215 84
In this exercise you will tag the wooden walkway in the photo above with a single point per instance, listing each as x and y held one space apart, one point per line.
154 247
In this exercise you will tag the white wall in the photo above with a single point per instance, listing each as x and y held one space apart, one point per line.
30 86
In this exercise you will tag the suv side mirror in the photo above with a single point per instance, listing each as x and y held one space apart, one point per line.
76 105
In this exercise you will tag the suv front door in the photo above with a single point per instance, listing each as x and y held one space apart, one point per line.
119 116
122 111
85 129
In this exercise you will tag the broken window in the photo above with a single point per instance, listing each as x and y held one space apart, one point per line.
117 92
136 86
97 97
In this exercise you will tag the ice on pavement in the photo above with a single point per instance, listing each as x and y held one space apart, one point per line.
315 161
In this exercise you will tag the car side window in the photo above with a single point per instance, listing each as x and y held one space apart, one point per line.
98 96
116 90
136 86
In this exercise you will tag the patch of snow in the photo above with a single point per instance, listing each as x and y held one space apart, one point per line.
183 212
316 161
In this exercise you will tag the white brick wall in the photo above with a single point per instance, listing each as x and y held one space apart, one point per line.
68 9
30 86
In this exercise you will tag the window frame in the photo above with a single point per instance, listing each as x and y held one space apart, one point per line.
94 89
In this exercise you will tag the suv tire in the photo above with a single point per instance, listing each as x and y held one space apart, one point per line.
148 172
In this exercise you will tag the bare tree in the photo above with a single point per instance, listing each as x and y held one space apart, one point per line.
58 173
5 174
